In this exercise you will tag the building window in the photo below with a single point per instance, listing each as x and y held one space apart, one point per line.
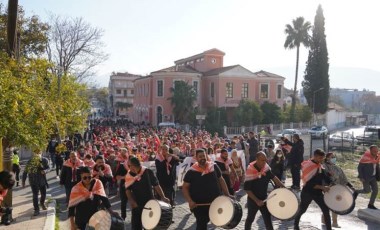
264 91
132 92
229 90
195 87
244 90
212 88
202 59
125 93
118 91
160 88
279 91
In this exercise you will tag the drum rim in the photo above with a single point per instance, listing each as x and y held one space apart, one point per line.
159 210
233 210
297 199
101 211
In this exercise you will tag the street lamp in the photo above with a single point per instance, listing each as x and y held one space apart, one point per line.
314 101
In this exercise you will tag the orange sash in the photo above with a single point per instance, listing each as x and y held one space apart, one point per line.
252 173
107 171
78 163
309 169
226 163
129 179
3 194
367 158
208 169
80 193
89 163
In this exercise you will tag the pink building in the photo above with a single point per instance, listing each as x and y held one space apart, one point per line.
216 86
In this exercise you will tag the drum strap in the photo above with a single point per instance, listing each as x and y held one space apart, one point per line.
92 185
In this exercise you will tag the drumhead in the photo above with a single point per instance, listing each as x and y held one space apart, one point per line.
221 211
339 198
283 203
151 214
101 220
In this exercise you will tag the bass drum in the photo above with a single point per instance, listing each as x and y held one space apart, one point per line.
283 203
340 199
103 220
225 212
157 215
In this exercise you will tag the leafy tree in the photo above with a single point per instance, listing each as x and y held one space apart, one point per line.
33 33
272 113
317 83
297 34
302 113
75 46
248 113
216 118
182 99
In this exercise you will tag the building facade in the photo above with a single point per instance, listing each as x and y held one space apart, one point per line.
215 85
122 93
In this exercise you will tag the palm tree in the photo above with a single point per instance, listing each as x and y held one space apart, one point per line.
296 35
182 99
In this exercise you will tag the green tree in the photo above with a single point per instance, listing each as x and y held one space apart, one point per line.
272 113
317 82
216 118
182 99
297 34
33 33
248 113
302 113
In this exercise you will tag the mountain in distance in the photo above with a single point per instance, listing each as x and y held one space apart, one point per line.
340 77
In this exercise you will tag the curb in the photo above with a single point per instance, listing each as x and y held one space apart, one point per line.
50 214
369 215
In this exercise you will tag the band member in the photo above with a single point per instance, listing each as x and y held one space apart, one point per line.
85 199
88 161
121 171
138 183
70 174
7 181
295 158
102 171
314 177
225 165
368 170
257 178
36 169
202 184
166 172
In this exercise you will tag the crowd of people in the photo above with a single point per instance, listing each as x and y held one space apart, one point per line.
106 160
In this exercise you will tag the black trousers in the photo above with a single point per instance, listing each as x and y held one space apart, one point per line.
306 199
252 210
123 202
295 169
58 165
201 217
35 190
136 218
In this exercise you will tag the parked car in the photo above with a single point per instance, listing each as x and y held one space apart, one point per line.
342 140
288 133
370 137
318 131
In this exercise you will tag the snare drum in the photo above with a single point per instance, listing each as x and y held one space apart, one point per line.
157 215
340 199
283 204
225 212
103 220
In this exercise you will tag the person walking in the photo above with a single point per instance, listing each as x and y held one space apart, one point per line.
16 166
253 143
295 158
53 143
315 183
278 164
225 165
369 173
70 173
36 170
202 184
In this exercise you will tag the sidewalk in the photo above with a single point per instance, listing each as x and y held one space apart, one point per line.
23 215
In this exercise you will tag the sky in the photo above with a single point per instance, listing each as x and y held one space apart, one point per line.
142 36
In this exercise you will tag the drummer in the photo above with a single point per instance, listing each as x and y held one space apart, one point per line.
315 179
338 177
202 184
85 199
257 178
139 182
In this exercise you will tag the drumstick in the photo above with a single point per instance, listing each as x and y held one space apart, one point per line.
270 197
207 204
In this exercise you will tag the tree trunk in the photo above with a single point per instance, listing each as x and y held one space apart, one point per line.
292 111
6 164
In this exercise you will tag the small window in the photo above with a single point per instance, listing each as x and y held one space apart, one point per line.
213 60
279 91
212 88
264 91
244 90
118 91
229 90
132 92
125 93
195 87
160 88
202 59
